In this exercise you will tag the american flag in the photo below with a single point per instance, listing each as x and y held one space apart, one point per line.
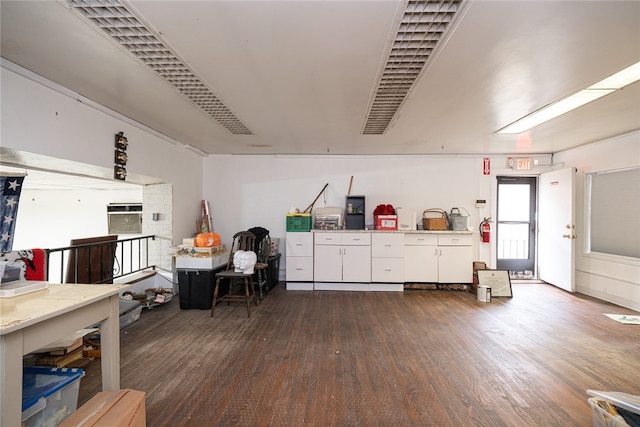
11 186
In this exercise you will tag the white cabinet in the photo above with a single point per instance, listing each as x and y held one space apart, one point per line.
387 258
376 261
342 257
455 258
299 260
421 258
438 258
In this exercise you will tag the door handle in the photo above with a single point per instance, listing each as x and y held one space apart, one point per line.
566 236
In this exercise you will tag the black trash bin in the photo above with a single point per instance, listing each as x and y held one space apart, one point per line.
273 271
195 288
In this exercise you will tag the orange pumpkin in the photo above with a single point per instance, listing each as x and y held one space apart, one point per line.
207 240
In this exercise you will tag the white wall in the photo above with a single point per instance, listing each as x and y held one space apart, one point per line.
247 191
38 119
50 219
611 278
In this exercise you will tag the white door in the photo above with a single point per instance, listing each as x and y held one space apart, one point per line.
556 228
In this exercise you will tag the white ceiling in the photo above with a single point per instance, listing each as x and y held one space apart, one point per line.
301 74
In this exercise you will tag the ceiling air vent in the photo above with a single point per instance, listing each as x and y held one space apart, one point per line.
115 19
423 25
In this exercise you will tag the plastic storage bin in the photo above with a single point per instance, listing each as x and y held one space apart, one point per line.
614 409
49 395
129 312
299 222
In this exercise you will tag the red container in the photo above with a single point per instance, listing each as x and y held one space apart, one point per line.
386 222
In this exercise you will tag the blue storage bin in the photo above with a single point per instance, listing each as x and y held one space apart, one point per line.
49 395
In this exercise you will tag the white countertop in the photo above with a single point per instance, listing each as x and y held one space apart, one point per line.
395 231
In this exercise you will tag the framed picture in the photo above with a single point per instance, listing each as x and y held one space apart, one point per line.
498 280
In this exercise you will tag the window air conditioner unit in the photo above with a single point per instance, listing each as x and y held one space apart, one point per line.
124 218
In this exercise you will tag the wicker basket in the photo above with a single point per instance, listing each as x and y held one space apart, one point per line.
432 222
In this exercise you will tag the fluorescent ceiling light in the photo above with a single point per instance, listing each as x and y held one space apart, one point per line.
604 87
620 79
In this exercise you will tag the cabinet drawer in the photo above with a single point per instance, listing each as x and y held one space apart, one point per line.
454 239
327 238
420 239
390 270
356 239
299 244
387 245
299 269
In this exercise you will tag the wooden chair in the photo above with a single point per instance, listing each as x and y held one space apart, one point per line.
244 241
262 266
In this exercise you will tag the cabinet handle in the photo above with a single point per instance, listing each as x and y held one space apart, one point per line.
299 269
421 240
298 244
387 246
387 269
454 240
356 240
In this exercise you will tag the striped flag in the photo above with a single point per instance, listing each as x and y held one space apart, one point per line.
10 186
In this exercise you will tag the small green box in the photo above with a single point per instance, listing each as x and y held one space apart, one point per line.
299 222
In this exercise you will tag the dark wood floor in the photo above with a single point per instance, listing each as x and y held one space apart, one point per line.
418 358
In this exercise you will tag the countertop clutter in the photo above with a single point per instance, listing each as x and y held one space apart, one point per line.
385 218
395 231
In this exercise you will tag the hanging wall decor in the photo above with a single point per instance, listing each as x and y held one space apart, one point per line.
120 157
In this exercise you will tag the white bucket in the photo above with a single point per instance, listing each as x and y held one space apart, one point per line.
484 293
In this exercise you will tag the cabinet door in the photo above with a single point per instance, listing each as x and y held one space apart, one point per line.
455 264
327 263
356 264
421 264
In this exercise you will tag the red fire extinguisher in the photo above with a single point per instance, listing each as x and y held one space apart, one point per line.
485 230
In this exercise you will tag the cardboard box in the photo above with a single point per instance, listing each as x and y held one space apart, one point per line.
386 222
110 408
477 265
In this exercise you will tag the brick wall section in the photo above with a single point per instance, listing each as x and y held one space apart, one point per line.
158 198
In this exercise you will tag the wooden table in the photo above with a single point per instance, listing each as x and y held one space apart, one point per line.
31 321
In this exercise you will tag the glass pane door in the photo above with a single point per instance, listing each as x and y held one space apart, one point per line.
515 224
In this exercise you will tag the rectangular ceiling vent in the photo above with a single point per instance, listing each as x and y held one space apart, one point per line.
423 25
115 19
